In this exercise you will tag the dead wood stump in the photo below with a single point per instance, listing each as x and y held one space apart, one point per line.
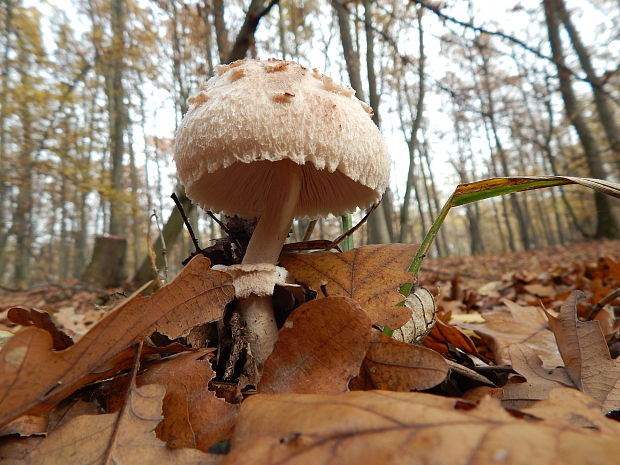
106 267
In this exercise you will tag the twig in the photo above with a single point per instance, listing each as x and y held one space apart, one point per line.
343 236
226 230
219 222
309 230
601 303
164 252
186 221
468 372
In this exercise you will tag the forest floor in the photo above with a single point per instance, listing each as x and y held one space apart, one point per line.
76 308
514 363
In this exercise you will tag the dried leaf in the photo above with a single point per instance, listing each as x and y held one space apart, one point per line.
443 335
24 426
518 325
422 306
193 415
363 428
574 407
397 366
319 349
371 275
33 377
33 317
14 452
539 381
126 437
586 355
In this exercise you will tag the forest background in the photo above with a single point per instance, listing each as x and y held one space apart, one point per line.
90 95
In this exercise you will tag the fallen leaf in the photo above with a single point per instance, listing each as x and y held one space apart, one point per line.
33 317
586 355
443 335
570 406
539 381
319 349
15 451
539 290
193 415
518 325
423 309
33 377
373 427
70 409
125 437
398 366
24 426
371 275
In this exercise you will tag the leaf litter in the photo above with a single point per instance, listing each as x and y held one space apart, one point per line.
528 354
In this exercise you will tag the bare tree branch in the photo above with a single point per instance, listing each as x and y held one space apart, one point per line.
436 10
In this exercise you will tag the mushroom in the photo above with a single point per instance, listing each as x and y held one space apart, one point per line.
274 140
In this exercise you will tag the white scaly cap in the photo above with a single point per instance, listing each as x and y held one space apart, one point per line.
256 112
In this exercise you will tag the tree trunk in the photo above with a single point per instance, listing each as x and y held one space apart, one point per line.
434 197
604 108
221 31
517 209
245 38
606 225
106 266
412 139
174 224
378 232
171 231
115 93
510 236
182 92
282 32
22 216
208 39
4 112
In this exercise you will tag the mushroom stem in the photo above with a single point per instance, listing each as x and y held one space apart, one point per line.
265 246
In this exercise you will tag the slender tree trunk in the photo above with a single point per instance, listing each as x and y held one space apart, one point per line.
4 111
412 139
351 56
510 236
606 224
373 96
64 254
208 38
22 216
245 38
429 205
604 108
114 86
171 231
137 218
174 224
221 31
374 102
517 209
378 232
182 91
434 197
282 31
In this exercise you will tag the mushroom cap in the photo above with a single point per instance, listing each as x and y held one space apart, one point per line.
254 113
